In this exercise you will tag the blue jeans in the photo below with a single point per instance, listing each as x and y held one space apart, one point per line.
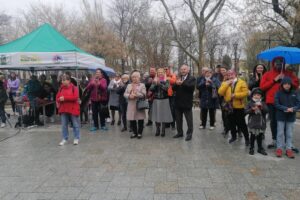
288 127
64 125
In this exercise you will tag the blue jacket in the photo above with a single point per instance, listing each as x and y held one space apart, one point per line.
283 101
208 93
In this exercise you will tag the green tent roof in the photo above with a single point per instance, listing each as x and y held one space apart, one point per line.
44 39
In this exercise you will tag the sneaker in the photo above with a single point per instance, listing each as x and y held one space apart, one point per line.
279 153
93 129
139 136
201 127
63 142
76 141
289 153
211 128
272 145
104 128
119 123
3 125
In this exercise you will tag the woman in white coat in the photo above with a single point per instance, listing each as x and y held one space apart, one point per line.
133 92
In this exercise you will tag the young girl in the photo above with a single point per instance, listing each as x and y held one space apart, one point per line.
68 108
257 111
287 102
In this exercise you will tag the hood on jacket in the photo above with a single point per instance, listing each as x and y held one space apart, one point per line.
254 69
276 59
286 80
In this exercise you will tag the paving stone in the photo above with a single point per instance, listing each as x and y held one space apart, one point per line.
112 166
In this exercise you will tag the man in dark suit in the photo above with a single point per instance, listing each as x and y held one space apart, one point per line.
184 88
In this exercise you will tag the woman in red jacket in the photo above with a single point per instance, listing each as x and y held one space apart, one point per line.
68 108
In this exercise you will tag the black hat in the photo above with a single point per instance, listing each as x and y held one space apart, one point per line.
257 91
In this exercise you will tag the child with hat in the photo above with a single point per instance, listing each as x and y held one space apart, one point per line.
287 102
257 110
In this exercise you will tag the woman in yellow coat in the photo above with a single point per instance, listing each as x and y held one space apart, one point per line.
235 91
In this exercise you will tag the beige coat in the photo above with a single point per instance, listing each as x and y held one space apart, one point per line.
132 112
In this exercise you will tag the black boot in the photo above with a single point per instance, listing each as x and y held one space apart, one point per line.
252 141
149 123
163 130
261 150
157 129
251 152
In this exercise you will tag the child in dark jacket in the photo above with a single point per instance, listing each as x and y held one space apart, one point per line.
287 102
257 110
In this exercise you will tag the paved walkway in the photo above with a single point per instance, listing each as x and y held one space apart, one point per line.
109 165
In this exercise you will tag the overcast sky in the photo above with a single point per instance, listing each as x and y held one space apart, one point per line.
12 7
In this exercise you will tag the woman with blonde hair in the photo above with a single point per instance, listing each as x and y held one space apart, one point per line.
135 91
161 111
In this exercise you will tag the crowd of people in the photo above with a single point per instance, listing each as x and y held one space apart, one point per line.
168 97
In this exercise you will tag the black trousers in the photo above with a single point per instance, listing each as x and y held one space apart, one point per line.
258 139
123 109
225 120
84 113
13 103
237 121
203 114
137 126
172 107
96 109
273 121
2 113
189 120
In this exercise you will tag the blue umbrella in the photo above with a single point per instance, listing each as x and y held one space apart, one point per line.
290 54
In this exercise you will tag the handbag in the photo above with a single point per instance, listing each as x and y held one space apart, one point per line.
142 104
227 107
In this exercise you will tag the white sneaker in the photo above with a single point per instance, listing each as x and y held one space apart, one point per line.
201 127
52 120
3 125
76 142
211 128
63 142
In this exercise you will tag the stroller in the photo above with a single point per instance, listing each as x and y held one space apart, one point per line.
26 117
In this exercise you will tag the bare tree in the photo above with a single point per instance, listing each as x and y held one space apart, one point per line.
281 15
154 42
124 16
96 37
202 13
5 22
